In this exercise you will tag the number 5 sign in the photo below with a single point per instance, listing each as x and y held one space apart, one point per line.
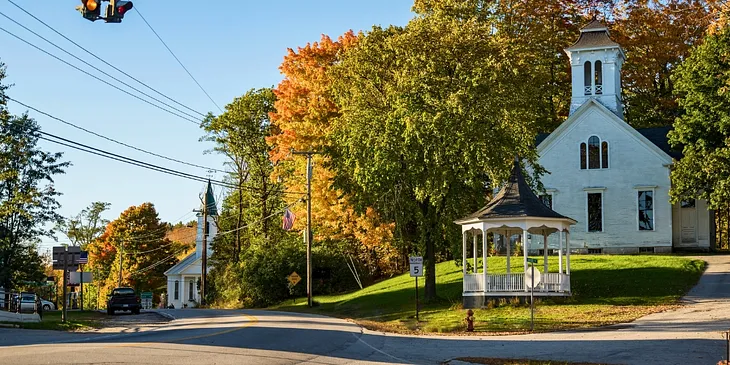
416 266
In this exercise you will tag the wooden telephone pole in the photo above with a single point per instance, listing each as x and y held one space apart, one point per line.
308 236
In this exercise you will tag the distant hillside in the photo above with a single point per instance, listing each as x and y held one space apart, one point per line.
184 235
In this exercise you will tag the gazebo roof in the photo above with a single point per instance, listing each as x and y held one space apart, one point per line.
515 200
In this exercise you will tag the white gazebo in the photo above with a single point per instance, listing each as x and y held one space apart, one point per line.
515 210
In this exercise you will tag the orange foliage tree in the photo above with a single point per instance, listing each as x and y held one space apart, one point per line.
302 120
139 237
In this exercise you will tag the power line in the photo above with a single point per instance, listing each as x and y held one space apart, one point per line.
113 156
177 59
100 79
103 72
113 140
99 152
100 59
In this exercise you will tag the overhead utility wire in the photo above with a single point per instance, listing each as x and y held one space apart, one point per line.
98 78
113 140
177 59
99 152
131 160
102 60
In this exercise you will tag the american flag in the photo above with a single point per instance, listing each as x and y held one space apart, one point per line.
288 220
83 257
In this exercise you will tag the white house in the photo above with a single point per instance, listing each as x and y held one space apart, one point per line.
613 179
183 278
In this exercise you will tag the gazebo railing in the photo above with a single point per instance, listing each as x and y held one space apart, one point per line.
474 283
550 282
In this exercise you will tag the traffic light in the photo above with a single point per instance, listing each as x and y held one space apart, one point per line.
90 9
116 9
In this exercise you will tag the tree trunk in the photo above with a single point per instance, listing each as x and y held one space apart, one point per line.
428 237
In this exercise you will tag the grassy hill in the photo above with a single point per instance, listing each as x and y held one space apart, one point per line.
606 290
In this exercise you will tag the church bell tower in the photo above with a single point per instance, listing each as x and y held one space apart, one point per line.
596 62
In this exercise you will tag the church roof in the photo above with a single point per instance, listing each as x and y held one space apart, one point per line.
593 35
182 265
515 199
657 136
210 200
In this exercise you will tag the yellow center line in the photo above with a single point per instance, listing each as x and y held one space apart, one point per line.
252 320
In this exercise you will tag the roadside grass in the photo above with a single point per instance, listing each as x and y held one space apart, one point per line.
606 290
75 321
493 361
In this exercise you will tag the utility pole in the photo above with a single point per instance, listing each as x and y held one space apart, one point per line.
65 272
308 236
205 251
121 254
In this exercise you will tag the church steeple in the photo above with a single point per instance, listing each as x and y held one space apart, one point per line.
209 200
596 62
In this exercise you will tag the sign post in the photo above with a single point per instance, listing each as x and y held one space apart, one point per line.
531 277
416 271
65 258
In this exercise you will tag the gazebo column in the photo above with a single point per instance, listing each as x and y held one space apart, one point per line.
524 253
463 256
567 252
545 250
560 253
507 240
475 268
485 246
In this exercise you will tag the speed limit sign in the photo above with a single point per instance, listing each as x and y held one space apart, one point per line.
416 266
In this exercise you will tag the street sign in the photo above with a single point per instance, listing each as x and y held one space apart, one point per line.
532 261
146 299
74 277
416 266
294 278
528 277
71 256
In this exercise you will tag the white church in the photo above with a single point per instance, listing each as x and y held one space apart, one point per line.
183 278
611 178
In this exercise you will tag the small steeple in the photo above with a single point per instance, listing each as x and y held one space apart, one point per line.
596 62
210 200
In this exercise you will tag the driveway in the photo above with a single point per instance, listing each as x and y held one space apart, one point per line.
691 335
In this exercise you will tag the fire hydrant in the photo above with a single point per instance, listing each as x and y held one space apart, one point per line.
469 321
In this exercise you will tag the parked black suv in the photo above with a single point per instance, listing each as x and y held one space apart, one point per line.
123 299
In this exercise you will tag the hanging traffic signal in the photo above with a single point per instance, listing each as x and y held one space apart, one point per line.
90 9
116 9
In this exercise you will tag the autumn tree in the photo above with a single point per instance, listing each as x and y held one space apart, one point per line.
704 130
27 195
430 115
657 36
138 237
302 120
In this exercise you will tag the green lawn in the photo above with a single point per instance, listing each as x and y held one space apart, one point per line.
606 290
75 321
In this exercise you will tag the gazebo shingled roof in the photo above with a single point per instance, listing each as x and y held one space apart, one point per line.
516 199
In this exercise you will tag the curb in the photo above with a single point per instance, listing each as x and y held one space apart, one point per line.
163 314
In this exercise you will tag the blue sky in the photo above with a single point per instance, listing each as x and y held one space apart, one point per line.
230 48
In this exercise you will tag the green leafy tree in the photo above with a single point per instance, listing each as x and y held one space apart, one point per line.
240 135
27 195
430 114
703 131
86 226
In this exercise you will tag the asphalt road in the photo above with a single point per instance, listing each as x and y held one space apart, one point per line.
691 335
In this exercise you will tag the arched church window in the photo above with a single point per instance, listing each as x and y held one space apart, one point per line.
594 153
587 77
604 155
598 78
583 156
